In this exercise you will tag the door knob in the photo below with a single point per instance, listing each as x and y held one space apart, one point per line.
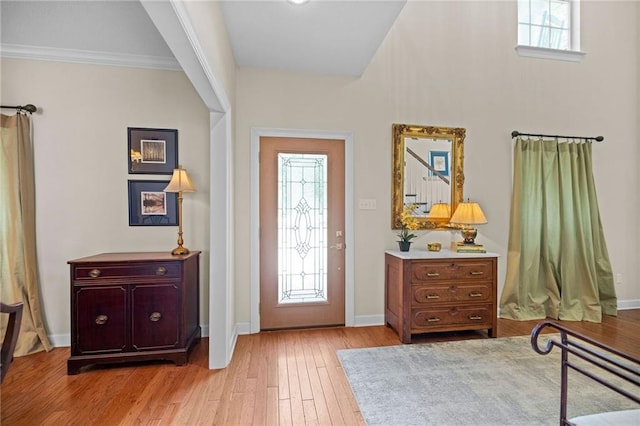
338 246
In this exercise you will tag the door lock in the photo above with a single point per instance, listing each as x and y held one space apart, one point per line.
338 246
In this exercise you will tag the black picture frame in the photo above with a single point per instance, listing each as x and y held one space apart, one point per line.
152 151
149 205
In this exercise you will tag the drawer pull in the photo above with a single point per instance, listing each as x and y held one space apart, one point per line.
101 319
433 296
161 270
433 274
434 319
95 273
477 272
475 317
155 317
475 294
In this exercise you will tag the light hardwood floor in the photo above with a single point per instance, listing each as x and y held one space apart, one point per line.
285 377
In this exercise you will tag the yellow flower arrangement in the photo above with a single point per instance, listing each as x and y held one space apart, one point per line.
409 223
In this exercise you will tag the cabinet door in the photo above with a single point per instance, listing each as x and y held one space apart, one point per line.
155 316
101 324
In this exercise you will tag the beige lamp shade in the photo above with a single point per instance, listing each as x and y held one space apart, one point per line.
180 181
468 214
440 211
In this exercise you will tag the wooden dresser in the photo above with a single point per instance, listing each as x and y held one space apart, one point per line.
133 306
440 291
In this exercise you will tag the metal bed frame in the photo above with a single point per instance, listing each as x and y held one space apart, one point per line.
598 355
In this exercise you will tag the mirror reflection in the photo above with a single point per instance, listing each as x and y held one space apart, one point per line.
428 173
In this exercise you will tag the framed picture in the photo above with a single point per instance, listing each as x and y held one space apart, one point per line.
439 160
152 151
149 205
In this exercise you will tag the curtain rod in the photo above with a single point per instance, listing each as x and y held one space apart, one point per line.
516 133
28 107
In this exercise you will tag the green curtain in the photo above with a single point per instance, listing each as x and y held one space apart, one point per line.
18 263
557 262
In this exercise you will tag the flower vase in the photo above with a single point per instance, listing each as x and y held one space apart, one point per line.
404 245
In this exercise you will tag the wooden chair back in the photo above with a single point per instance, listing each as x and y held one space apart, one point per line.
11 335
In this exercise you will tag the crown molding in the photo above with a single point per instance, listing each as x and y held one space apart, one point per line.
17 51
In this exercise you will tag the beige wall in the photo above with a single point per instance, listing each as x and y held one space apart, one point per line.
80 136
454 64
460 70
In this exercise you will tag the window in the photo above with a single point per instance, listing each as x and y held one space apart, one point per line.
549 29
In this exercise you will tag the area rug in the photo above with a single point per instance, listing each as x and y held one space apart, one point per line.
472 382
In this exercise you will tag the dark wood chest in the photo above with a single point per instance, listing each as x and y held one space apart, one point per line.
132 307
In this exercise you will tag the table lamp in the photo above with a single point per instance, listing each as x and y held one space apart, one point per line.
440 211
468 214
180 182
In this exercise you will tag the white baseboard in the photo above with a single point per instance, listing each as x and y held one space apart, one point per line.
368 320
204 330
628 304
232 344
60 340
360 321
243 328
64 340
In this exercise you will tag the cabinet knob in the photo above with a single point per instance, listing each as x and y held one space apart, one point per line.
433 274
434 319
477 272
475 294
433 296
101 319
155 317
161 270
95 273
475 317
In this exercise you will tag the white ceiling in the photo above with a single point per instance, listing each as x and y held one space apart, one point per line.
333 37
325 36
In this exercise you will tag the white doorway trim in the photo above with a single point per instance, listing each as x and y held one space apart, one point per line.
256 133
172 20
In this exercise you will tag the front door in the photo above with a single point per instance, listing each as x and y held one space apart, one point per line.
301 232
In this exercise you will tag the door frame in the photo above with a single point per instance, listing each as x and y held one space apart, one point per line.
349 280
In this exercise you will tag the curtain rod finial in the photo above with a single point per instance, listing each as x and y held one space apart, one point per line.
515 133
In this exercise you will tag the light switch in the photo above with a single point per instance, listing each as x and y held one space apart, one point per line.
367 204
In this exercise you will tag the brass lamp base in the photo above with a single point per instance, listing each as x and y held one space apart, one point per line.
469 235
179 251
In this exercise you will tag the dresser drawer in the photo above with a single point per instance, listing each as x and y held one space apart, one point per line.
442 293
453 270
452 315
134 270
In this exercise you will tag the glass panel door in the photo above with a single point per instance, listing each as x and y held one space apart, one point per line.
302 213
302 228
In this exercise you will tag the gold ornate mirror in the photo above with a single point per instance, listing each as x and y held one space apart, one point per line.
427 173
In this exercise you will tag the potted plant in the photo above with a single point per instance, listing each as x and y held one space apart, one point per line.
409 223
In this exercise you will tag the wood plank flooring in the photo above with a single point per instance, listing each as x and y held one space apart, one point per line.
275 378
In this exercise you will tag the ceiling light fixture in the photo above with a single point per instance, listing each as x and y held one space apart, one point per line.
298 1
